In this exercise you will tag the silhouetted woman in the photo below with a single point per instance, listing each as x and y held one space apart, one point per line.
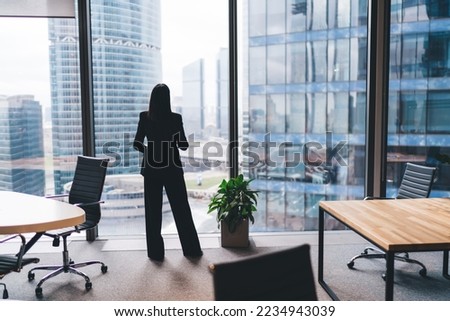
162 168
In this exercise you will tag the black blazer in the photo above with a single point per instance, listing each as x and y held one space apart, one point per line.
164 137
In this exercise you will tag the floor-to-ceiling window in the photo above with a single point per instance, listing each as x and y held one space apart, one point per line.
135 45
419 91
126 61
302 100
305 105
30 160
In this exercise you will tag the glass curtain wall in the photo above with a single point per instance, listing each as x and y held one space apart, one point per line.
304 109
419 91
135 45
302 84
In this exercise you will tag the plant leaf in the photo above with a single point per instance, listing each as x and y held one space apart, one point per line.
233 201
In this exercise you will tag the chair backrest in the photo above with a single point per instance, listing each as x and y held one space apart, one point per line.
284 275
87 185
416 182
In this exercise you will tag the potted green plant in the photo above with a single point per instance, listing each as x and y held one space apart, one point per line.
234 203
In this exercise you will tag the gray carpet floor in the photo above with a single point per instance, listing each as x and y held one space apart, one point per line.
132 276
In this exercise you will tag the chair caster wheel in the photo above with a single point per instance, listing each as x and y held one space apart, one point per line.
30 276
104 269
423 272
5 294
383 276
38 292
88 286
350 264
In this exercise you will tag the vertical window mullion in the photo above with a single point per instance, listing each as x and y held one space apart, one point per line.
377 96
233 90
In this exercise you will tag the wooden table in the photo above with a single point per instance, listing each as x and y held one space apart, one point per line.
24 213
406 225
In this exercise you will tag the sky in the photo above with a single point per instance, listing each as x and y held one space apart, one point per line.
190 30
24 58
187 38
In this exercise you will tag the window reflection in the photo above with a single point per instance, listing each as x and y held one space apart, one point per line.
296 60
339 60
257 14
316 109
412 112
276 17
434 57
317 14
338 112
276 64
257 62
276 117
438 113
317 58
296 17
295 113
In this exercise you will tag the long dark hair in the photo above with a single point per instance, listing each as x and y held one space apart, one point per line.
159 106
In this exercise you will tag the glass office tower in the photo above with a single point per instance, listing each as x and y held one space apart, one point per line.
21 145
193 104
222 93
419 89
306 101
126 61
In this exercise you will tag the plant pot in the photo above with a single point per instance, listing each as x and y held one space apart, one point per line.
239 238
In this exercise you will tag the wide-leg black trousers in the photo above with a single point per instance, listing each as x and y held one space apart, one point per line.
172 180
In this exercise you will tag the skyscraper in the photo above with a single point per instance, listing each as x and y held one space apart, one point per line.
126 61
307 71
21 145
222 93
193 108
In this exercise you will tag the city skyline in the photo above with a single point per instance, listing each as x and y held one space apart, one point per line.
29 43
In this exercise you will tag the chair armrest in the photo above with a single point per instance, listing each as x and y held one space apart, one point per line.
10 237
67 231
56 196
21 249
76 204
88 204
368 198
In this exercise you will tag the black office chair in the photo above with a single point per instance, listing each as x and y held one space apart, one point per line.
13 263
85 192
283 275
416 183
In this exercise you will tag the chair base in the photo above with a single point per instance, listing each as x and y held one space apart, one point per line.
68 266
381 255
58 269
